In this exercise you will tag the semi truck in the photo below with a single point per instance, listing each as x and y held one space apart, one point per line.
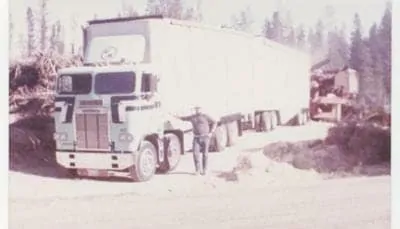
117 115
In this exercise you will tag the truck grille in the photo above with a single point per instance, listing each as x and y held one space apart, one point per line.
92 131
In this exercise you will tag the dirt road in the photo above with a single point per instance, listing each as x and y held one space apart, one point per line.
268 195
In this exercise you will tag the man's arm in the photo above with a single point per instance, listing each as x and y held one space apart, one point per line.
184 118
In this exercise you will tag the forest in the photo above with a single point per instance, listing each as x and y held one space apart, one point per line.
367 50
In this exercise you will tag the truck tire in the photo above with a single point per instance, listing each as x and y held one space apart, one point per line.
301 118
257 122
145 163
220 139
173 152
274 119
233 133
266 122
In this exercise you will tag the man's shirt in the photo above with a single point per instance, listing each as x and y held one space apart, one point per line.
201 123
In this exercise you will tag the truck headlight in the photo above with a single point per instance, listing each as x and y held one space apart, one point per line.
60 136
125 137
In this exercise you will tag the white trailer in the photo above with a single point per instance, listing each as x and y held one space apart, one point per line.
142 71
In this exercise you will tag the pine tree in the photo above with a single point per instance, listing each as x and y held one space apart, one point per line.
154 7
243 21
338 48
290 39
277 27
301 38
128 10
318 39
385 43
361 61
310 40
11 32
268 29
357 50
56 43
31 44
172 9
43 25
376 64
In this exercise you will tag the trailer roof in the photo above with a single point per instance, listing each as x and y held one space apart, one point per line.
100 21
198 25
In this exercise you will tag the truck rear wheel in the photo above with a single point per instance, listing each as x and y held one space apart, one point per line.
220 139
266 121
274 120
233 133
302 118
145 163
173 152
257 122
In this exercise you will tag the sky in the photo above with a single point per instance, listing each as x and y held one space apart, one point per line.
215 12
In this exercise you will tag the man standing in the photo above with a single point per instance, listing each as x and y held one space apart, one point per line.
203 128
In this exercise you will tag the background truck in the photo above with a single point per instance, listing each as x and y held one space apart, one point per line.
116 115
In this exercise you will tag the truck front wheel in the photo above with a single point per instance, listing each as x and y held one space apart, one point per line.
145 163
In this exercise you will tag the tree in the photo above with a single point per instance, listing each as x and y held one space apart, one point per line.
31 46
277 27
290 39
300 37
74 27
338 48
310 39
317 46
172 9
43 25
384 35
56 43
128 10
361 60
357 50
243 21
268 30
11 31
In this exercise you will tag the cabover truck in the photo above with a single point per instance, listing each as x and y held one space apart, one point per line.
118 114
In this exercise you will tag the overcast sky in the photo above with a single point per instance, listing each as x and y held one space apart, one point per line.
215 12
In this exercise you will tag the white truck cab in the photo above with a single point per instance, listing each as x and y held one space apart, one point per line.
109 122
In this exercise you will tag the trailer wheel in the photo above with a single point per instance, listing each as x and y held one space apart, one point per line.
305 117
173 152
274 120
233 133
257 122
266 122
301 118
145 164
220 138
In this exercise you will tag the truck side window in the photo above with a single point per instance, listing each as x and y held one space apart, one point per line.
149 83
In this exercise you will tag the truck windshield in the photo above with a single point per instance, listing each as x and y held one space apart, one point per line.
74 84
115 83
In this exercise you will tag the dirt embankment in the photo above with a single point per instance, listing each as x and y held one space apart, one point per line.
349 149
32 146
